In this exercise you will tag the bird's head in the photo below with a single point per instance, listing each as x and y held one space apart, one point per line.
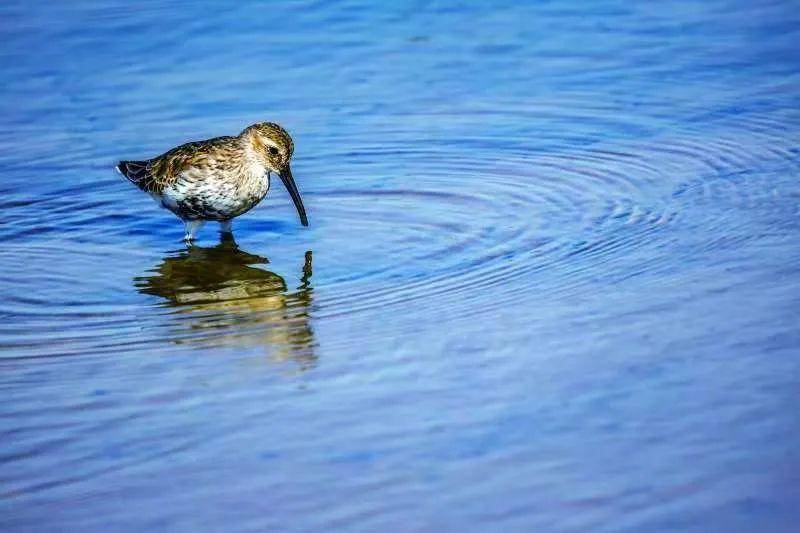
274 148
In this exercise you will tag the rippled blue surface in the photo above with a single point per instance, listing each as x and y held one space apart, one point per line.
550 283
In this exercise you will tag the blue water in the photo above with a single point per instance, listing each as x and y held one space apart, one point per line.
551 280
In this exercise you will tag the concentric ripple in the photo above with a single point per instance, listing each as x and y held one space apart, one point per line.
468 241
456 233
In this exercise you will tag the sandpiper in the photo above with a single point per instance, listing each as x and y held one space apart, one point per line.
218 179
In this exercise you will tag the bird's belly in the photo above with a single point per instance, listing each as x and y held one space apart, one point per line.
213 199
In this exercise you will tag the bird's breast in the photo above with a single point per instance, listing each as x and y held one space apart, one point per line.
215 197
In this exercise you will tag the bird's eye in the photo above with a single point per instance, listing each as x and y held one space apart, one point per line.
273 150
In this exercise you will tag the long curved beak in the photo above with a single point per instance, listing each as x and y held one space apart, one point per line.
286 177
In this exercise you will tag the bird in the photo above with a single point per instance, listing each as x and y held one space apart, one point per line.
218 179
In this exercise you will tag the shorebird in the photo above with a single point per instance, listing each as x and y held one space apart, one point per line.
218 179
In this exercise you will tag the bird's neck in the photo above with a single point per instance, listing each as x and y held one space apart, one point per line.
255 162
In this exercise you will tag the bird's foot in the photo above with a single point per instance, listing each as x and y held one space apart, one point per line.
191 229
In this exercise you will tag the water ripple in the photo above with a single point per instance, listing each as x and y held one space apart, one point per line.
550 244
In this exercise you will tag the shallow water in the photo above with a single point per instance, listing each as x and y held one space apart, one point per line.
550 282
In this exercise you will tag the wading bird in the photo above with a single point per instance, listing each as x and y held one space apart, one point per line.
218 179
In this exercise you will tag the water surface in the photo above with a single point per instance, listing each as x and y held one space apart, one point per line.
550 281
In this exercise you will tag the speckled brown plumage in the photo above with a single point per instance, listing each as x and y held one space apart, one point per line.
220 178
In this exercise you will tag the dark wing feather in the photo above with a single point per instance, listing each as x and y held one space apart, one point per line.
138 172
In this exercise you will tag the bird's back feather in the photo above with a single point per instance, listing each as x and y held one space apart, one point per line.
153 175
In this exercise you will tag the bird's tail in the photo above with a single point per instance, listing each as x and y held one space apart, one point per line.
133 170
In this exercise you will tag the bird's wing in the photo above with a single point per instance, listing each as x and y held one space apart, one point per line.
154 175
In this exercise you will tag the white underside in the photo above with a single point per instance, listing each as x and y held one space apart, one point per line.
216 198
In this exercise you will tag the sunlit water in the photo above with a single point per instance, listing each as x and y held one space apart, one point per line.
551 281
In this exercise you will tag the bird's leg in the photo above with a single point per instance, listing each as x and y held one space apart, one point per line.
191 228
226 232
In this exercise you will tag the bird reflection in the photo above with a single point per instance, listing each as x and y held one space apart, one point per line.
224 297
